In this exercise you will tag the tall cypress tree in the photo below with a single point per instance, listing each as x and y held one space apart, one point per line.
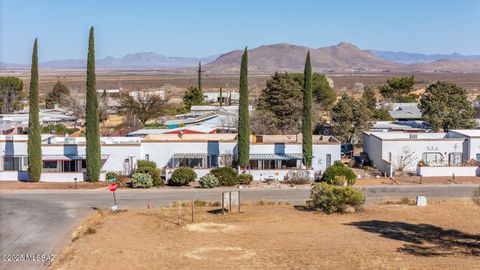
243 129
200 76
221 97
93 150
307 114
34 130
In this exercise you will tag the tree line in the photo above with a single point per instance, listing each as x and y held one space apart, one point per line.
34 149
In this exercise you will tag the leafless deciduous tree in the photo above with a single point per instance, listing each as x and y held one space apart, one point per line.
76 102
403 160
143 106
228 123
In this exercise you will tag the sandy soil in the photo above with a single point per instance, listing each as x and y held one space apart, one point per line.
17 185
383 236
409 180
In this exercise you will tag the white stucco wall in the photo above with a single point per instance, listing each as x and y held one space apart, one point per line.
46 176
474 148
320 152
279 175
118 150
448 171
417 148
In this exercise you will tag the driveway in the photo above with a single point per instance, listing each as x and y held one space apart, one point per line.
42 221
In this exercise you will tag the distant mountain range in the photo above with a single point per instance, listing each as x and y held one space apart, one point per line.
287 57
136 60
343 57
412 58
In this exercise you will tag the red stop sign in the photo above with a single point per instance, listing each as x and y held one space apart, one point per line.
112 187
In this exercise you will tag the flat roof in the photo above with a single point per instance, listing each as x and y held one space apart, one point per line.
227 137
467 132
408 136
232 137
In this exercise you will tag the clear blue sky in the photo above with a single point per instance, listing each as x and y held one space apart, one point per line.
202 27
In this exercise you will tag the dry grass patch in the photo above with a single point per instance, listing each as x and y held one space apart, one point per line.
442 235
18 185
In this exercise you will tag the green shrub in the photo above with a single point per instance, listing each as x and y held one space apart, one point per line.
332 199
340 180
154 173
245 179
146 163
111 175
338 169
182 176
141 180
226 176
59 129
208 181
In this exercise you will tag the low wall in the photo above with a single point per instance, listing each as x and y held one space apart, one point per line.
258 175
448 171
46 176
261 175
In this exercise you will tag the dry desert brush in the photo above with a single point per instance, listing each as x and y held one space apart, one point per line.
334 199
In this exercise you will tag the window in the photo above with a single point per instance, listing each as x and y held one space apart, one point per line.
50 164
11 163
254 164
212 161
147 157
189 162
433 157
455 159
269 165
329 160
69 166
290 163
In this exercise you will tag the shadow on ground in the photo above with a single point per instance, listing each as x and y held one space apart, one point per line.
424 239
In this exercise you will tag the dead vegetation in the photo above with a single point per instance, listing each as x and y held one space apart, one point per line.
383 236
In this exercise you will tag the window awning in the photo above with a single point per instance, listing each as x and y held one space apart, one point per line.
189 155
275 156
67 157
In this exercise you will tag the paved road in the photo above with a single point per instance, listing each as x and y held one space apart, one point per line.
41 222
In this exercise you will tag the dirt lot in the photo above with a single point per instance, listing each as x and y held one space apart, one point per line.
17 185
383 236
409 180
135 79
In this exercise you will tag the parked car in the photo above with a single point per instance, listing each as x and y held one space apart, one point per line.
346 150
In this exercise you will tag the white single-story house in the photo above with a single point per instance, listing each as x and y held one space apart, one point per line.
212 97
18 121
455 152
271 156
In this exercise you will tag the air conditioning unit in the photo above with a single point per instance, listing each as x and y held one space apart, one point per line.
69 140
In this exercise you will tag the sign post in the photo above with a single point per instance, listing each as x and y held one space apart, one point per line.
113 187
229 199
